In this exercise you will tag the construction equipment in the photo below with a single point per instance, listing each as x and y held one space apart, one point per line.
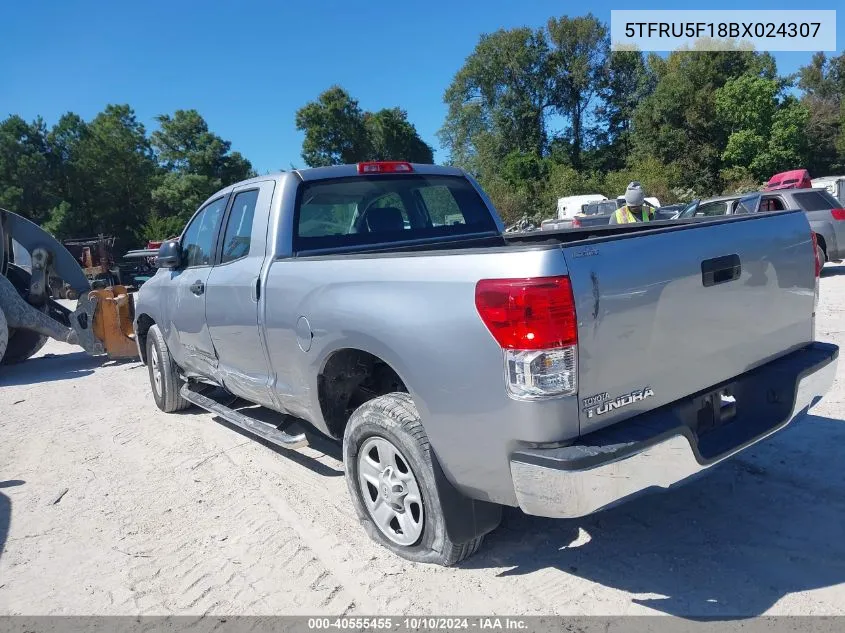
32 262
96 256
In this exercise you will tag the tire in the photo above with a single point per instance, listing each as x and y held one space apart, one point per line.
386 423
4 335
820 254
164 376
22 344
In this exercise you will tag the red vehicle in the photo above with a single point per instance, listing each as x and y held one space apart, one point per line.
795 179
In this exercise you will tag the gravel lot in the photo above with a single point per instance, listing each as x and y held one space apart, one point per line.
108 506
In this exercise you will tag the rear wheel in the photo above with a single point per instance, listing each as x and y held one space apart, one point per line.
390 476
22 344
4 334
164 376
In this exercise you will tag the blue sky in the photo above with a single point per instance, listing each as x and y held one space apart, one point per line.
248 66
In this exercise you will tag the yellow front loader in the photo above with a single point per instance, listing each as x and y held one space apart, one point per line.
31 260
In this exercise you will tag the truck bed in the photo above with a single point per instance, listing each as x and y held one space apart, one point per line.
648 317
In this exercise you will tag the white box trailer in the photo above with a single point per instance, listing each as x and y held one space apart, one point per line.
834 184
571 206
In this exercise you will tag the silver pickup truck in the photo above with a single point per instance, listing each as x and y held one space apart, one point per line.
464 369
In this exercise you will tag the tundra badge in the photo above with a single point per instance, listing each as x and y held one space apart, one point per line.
601 404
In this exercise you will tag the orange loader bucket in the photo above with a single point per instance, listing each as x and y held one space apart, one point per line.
113 319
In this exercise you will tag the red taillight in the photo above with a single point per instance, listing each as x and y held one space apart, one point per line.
576 223
528 314
838 214
816 255
385 167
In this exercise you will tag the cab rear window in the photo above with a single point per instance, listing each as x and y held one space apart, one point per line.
370 210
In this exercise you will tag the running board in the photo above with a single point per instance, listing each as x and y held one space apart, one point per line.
246 422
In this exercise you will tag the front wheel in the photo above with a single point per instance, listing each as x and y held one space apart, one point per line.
390 476
164 376
820 254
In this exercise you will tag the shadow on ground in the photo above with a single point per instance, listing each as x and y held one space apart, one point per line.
6 511
316 441
731 544
52 367
831 270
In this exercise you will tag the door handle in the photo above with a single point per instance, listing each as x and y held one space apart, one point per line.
720 270
198 287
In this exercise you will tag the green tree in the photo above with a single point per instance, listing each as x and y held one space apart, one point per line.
823 84
334 129
195 163
627 80
499 100
766 135
678 124
25 174
338 131
105 174
392 137
577 65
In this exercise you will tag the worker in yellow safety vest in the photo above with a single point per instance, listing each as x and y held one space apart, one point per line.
634 209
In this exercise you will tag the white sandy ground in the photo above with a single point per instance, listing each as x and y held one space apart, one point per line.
164 514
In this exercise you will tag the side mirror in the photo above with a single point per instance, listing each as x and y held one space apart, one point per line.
169 255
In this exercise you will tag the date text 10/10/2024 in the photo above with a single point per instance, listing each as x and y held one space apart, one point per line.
418 623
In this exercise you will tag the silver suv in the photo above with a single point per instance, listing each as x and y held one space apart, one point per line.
825 213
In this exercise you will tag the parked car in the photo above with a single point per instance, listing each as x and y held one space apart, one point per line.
710 207
824 212
668 212
464 369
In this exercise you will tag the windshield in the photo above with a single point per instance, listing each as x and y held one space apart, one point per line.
387 209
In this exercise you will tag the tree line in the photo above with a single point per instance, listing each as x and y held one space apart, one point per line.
82 178
534 114
542 113
110 176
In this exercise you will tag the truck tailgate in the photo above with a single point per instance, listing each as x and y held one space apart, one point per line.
665 314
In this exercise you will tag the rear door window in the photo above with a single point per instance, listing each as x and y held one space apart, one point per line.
771 204
238 235
815 200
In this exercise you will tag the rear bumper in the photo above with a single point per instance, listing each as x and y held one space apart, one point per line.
664 447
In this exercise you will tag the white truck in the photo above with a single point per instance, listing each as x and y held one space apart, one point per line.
835 185
567 208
